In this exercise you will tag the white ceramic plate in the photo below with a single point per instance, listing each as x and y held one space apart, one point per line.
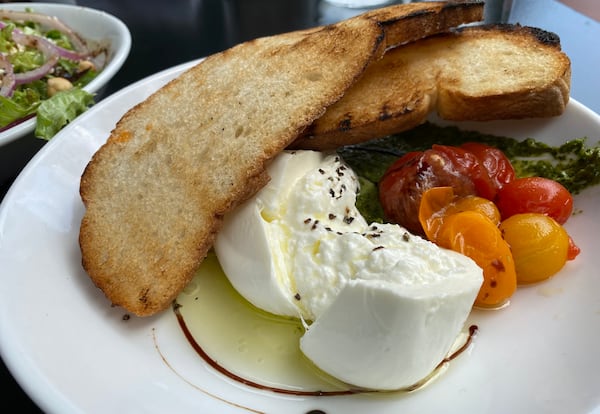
91 24
73 353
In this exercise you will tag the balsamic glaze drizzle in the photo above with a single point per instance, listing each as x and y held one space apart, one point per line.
317 393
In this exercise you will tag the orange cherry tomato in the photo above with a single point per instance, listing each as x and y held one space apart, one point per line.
539 245
440 202
476 236
432 209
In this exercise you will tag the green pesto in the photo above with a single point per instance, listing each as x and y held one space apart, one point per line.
573 164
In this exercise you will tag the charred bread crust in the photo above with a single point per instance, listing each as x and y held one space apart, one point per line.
473 73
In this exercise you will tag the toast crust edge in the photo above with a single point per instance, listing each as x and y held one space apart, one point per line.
351 120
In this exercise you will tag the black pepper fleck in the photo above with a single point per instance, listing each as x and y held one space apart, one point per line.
497 264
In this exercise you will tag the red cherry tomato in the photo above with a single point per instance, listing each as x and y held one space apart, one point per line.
573 251
398 192
497 165
535 195
467 163
402 185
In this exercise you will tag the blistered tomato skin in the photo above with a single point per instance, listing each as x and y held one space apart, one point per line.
467 164
539 245
535 195
403 184
398 192
494 162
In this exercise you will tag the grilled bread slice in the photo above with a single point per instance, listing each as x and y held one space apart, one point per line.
476 73
156 191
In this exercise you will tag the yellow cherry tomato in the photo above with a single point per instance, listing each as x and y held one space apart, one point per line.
475 203
539 245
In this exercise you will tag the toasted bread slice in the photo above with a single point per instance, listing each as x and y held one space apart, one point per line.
156 192
477 73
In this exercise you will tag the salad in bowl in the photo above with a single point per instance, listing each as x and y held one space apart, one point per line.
53 61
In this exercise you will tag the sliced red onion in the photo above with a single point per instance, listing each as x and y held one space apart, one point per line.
66 53
8 78
50 50
45 46
48 21
38 73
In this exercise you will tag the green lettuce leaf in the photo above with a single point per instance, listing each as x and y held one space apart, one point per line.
12 110
54 113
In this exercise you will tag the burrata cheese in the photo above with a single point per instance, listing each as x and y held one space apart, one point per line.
382 307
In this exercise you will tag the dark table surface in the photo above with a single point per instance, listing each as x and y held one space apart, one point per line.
166 33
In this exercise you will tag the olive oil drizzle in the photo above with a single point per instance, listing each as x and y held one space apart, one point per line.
314 393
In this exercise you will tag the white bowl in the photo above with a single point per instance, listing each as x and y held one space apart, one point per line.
90 24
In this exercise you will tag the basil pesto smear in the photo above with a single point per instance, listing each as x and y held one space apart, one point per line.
573 164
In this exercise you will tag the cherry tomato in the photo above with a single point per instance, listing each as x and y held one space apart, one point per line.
476 236
399 193
476 203
469 225
497 165
535 195
573 251
539 245
440 202
467 164
402 185
432 209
